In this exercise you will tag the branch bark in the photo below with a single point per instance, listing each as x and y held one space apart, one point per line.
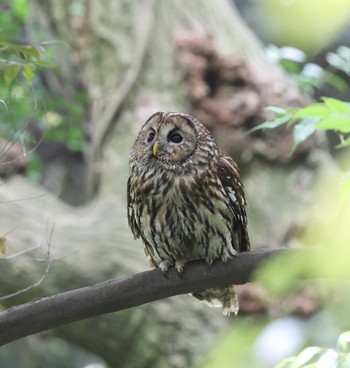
118 294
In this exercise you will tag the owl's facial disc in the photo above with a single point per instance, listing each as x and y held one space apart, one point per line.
175 140
147 139
166 138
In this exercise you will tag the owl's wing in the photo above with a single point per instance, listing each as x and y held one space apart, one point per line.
131 211
227 172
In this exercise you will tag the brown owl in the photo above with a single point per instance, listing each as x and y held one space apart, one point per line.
185 199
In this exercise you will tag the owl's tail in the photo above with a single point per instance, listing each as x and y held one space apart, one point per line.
224 298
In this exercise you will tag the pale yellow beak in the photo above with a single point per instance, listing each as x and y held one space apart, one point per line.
155 148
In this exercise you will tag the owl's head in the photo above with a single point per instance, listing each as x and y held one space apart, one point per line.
171 138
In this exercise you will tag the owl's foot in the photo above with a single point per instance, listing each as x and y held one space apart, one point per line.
179 265
224 257
165 265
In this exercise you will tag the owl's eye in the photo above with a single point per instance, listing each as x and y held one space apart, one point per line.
175 137
150 137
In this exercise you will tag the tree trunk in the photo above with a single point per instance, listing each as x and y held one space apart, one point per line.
123 55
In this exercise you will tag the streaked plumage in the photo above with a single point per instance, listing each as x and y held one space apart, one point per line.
185 199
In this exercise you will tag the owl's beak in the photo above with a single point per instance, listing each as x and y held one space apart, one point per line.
155 148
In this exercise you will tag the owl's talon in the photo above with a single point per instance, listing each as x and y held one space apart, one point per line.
179 265
224 257
165 265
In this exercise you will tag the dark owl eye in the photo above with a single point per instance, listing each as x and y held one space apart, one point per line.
175 137
150 137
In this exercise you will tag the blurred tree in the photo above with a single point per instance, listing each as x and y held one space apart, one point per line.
122 56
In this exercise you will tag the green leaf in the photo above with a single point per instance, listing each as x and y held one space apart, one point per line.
337 82
28 73
336 105
340 59
270 124
10 73
303 130
276 110
291 66
29 51
45 64
343 344
308 356
20 8
75 145
335 122
33 51
344 52
318 110
24 51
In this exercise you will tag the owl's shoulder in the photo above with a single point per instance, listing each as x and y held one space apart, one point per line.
227 170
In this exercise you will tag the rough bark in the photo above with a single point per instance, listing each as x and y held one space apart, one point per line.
124 53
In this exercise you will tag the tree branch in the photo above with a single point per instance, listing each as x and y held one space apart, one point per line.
115 295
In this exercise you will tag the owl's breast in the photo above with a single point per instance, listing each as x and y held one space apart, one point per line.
181 219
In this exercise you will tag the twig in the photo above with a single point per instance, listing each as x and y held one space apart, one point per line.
115 295
16 255
46 271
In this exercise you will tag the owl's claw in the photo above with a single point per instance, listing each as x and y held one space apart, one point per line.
165 265
224 257
179 265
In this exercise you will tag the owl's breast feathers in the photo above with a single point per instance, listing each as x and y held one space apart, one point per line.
191 216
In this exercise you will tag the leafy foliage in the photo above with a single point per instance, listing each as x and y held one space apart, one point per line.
340 59
313 357
21 60
24 98
309 76
330 114
16 59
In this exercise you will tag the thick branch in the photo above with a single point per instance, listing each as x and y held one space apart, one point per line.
115 295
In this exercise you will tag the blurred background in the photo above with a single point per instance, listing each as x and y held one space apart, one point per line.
79 78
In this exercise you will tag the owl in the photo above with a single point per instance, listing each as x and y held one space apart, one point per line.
186 200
